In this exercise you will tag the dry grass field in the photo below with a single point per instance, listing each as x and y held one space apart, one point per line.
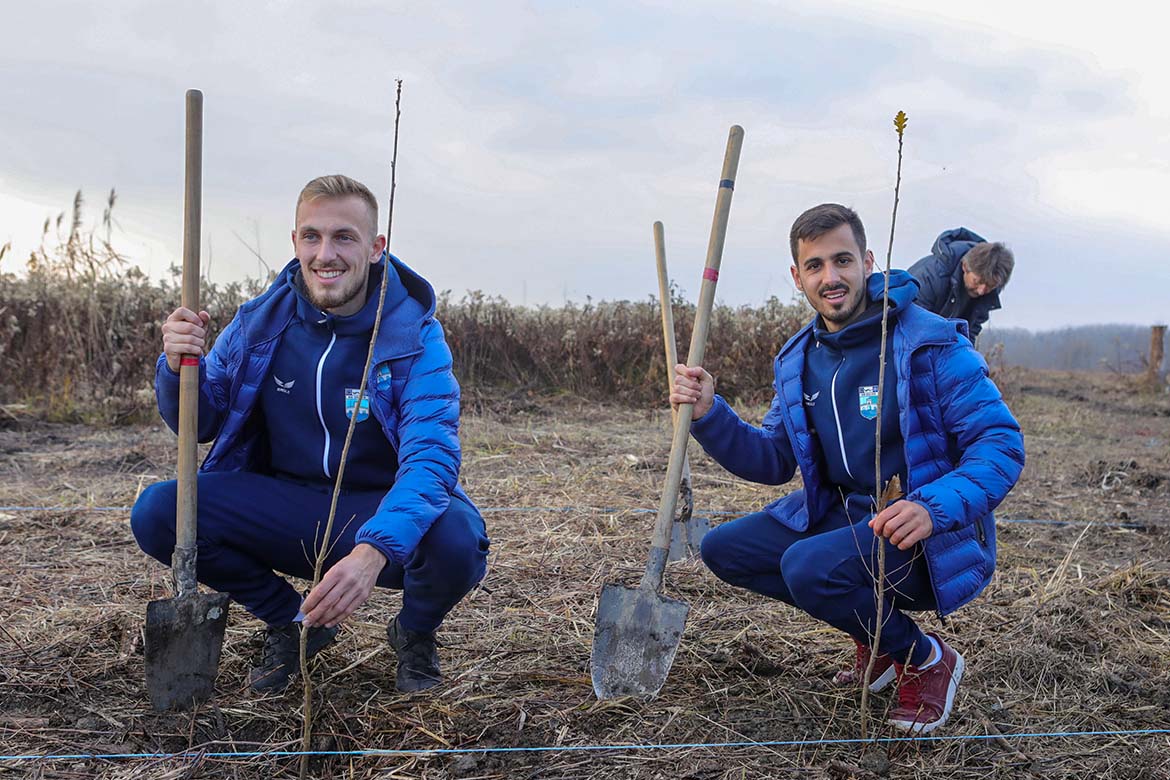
1073 634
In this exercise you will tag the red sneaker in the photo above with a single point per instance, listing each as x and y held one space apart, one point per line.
882 675
925 696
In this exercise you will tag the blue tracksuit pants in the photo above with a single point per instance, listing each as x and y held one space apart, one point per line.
828 572
250 525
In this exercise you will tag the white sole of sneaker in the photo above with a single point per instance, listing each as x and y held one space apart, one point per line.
917 728
887 677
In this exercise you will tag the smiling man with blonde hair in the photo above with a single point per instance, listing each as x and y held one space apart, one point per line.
277 393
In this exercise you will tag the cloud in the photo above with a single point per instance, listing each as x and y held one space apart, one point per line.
539 142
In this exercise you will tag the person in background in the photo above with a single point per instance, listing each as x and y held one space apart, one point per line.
962 277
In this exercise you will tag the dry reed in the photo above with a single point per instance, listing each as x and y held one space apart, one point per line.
79 336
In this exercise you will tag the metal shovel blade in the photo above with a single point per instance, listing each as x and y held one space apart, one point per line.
635 640
184 636
679 549
686 537
687 531
697 528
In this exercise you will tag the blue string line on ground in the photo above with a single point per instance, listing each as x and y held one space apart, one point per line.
579 748
64 509
707 513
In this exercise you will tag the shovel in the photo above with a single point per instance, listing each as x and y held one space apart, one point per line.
686 532
184 634
637 631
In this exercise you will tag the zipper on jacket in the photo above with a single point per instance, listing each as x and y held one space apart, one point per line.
979 532
320 411
837 419
933 586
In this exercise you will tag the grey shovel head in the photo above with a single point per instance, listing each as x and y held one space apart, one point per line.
686 537
687 531
634 641
697 528
679 549
184 637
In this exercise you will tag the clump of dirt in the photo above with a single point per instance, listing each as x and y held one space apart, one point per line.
1114 474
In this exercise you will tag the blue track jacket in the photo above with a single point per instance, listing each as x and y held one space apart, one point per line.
964 450
413 396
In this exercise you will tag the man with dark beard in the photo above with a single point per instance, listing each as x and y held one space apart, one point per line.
277 392
945 433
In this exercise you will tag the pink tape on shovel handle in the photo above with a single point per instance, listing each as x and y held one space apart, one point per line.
187 360
711 273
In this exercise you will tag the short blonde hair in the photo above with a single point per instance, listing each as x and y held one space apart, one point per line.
340 186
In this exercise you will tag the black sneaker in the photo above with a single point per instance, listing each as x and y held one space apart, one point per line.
282 655
418 658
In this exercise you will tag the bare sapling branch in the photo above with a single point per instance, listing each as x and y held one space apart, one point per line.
893 491
323 545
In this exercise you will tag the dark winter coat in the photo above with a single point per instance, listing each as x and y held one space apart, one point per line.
940 279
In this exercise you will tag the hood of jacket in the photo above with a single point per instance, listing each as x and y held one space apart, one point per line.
952 244
903 291
410 302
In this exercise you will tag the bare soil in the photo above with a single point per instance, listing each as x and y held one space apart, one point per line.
1072 635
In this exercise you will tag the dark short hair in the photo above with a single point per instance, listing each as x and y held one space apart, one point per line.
993 262
819 220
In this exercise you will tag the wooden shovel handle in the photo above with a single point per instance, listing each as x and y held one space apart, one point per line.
668 330
667 312
682 427
183 561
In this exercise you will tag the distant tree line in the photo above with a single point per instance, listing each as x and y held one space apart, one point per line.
1115 348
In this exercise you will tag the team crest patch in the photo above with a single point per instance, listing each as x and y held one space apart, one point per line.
383 376
351 397
867 398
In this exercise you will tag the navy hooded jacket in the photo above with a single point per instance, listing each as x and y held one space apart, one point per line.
317 373
940 277
412 394
839 385
963 449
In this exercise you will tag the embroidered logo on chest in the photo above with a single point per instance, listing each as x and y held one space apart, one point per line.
351 397
383 376
867 398
283 387
811 400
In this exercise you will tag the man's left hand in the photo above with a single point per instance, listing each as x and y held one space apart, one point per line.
904 523
344 588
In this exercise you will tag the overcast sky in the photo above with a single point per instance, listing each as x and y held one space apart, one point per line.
540 140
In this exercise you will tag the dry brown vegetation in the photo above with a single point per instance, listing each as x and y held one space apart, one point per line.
79 328
79 335
1072 635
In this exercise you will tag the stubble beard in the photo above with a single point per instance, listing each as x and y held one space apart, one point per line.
855 304
325 300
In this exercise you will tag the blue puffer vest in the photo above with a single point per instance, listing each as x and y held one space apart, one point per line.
413 396
964 450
